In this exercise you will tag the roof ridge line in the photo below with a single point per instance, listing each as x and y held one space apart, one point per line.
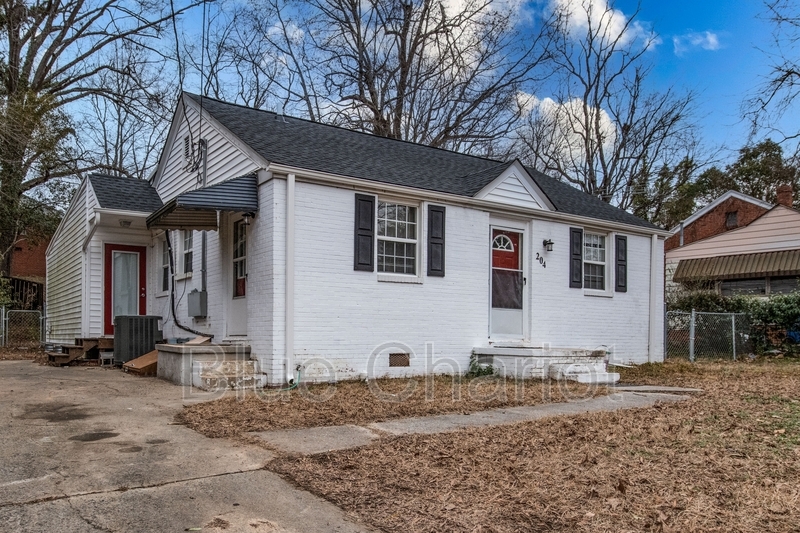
308 121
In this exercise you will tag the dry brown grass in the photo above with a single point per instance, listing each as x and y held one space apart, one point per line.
17 354
726 460
359 403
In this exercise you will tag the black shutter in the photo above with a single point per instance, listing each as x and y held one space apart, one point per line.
364 257
621 246
436 216
575 258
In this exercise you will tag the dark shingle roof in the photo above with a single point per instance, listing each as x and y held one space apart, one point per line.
568 199
303 144
127 194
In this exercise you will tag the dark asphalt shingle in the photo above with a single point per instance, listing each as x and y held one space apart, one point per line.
303 144
129 194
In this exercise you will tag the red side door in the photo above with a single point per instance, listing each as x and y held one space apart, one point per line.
125 283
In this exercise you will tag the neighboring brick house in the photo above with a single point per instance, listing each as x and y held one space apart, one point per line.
730 211
352 255
738 245
27 273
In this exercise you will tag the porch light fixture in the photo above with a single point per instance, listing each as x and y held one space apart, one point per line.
125 223
548 245
247 217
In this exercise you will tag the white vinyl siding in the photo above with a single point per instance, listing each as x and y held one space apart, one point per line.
65 272
512 192
225 159
778 229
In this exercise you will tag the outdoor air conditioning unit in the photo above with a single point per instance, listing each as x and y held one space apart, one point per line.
135 336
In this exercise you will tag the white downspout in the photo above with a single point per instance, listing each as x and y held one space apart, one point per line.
655 312
289 304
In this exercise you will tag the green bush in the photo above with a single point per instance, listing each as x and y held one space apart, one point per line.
769 317
5 292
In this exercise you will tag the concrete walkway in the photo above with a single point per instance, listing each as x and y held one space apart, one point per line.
324 439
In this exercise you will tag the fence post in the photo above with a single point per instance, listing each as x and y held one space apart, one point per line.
691 337
733 333
2 326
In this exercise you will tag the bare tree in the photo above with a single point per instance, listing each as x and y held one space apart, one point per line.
603 130
777 94
417 70
53 57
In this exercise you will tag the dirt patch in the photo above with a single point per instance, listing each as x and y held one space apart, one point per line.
377 401
22 354
726 460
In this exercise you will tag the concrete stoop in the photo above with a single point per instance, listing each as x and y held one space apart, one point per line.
543 362
227 375
211 367
583 373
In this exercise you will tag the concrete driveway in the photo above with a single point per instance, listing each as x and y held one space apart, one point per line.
91 449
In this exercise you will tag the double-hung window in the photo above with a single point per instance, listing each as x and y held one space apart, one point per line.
187 251
594 261
164 266
239 258
397 238
598 262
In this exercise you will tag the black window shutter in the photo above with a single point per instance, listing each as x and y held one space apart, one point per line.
621 247
575 258
436 217
364 257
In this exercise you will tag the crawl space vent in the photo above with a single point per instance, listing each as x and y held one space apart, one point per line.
399 359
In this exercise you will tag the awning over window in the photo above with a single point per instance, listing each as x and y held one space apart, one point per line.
784 263
198 209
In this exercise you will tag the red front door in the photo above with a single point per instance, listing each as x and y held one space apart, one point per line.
125 283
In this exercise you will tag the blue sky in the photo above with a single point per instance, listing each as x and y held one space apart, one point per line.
723 66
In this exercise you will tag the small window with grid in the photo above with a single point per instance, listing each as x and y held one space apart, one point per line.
239 258
187 251
594 261
164 266
397 238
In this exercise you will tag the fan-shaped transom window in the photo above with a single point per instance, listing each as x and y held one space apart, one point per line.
503 243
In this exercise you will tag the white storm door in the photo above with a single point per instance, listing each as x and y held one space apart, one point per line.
507 284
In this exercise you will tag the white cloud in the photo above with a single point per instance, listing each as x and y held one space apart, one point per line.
611 23
707 40
562 124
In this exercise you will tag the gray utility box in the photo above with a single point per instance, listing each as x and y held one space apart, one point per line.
198 304
135 336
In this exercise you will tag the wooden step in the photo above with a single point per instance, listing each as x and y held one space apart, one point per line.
61 359
146 365
103 343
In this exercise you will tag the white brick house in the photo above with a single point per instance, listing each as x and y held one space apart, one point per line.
332 250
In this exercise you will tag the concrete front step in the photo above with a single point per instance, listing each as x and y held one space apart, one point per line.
535 362
583 373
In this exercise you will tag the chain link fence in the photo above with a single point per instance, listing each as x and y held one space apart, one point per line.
21 329
696 335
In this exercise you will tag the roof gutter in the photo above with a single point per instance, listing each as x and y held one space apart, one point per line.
313 176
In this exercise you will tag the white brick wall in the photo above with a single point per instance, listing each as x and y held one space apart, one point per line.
342 315
569 317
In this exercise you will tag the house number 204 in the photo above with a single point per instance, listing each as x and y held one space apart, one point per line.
541 260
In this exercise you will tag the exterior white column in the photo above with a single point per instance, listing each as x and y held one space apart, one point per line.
289 307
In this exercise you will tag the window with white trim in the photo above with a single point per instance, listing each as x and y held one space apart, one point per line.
397 238
164 266
239 258
594 261
187 251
